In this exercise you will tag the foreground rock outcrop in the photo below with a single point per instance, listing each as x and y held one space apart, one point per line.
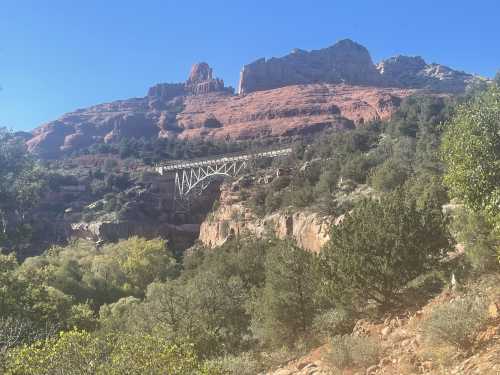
404 349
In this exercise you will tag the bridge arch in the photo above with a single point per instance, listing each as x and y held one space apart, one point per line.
197 175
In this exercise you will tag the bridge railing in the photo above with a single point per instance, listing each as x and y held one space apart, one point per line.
175 165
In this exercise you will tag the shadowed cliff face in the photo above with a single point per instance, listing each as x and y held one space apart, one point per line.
300 93
344 62
350 63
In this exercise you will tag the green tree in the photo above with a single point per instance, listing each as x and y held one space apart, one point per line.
471 151
389 175
285 308
79 352
144 261
382 245
21 183
480 242
206 309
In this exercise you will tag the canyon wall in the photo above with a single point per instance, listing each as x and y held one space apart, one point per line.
302 92
232 219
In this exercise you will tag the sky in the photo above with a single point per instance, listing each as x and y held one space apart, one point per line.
58 55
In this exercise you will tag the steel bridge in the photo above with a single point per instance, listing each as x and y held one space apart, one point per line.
194 176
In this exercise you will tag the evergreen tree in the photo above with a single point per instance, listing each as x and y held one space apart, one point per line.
286 307
382 245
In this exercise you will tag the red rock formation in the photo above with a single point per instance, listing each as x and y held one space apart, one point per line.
409 71
350 63
201 81
344 62
287 111
303 92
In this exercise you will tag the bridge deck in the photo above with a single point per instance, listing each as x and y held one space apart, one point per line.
186 164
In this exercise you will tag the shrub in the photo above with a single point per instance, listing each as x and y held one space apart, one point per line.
110 165
88 217
333 322
479 239
389 175
456 323
349 351
243 364
78 352
273 202
212 123
286 307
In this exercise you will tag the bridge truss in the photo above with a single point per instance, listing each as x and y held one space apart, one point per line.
193 177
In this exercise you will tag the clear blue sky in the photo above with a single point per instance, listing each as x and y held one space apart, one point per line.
59 55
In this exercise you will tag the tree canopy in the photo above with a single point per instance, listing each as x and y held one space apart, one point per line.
382 245
471 150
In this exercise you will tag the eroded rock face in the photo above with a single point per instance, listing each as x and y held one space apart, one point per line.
201 81
408 71
303 92
345 62
292 110
309 230
151 116
350 63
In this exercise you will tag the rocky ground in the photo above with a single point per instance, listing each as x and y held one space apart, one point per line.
405 350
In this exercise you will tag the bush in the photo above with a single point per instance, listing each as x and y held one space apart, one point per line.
212 123
389 175
110 165
479 239
243 364
284 311
78 352
349 351
88 217
333 322
456 323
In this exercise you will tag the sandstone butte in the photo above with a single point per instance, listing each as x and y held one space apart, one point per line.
300 93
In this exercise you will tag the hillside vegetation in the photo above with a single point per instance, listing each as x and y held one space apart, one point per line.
253 304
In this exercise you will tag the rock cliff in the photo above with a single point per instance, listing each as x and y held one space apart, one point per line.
350 63
345 62
151 116
309 230
285 111
407 71
303 92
